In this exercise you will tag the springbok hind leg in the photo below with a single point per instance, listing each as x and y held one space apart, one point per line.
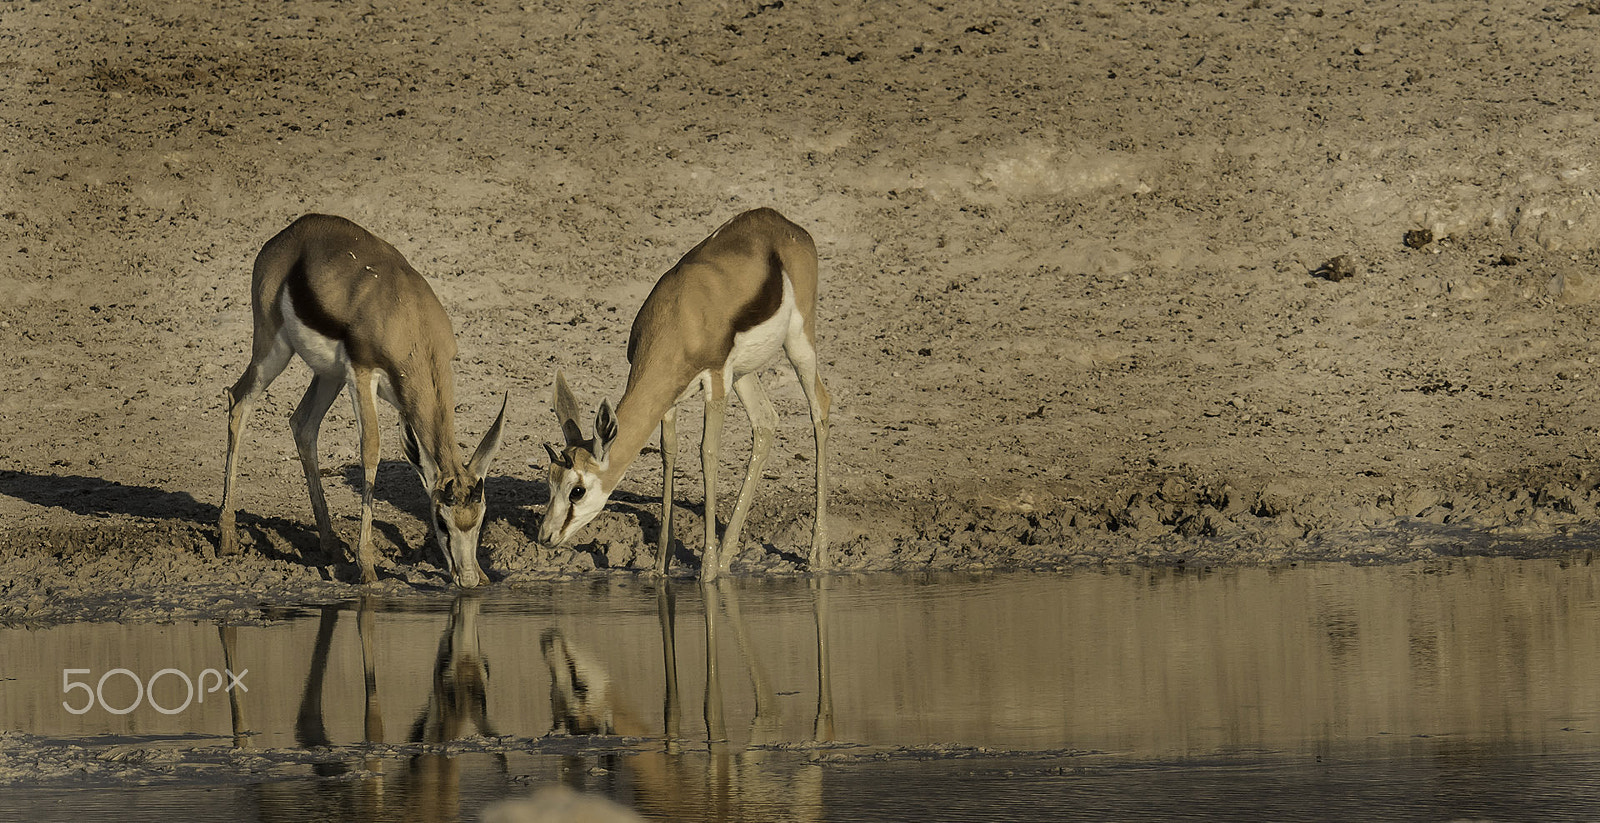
265 365
803 356
763 425
305 423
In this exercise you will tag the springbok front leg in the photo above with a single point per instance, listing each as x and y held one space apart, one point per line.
803 356
669 463
710 444
364 395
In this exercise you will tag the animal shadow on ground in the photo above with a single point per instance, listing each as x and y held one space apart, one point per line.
514 501
517 502
95 496
510 499
644 509
682 556
520 504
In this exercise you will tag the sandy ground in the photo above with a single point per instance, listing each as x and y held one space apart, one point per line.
1211 282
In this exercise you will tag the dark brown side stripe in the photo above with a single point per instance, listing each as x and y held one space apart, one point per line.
766 302
306 305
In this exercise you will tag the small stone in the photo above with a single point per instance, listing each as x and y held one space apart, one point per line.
1336 269
1418 238
1573 287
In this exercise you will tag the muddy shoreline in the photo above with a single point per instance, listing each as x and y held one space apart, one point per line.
169 570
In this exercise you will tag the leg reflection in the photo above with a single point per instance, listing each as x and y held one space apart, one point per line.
309 730
766 726
361 798
822 730
230 645
716 730
666 614
725 780
372 718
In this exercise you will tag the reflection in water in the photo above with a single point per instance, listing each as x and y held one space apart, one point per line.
363 796
822 730
857 696
665 779
428 788
229 635
457 707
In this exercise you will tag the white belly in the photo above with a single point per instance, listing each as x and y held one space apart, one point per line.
758 345
325 355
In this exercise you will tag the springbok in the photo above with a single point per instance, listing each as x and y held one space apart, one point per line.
711 322
363 319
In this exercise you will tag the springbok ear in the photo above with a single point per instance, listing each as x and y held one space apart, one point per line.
567 412
419 459
605 430
478 466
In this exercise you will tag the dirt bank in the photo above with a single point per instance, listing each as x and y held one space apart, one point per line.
1079 300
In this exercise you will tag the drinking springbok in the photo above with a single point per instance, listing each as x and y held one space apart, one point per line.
364 320
717 317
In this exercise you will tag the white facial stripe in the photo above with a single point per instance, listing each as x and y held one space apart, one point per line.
564 516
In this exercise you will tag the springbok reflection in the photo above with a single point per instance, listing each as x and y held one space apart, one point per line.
1468 687
457 706
672 779
428 788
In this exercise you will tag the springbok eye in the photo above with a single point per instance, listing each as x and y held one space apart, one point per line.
576 494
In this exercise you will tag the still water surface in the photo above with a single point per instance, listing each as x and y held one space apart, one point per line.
1465 689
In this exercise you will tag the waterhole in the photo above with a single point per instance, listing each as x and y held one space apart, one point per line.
1445 690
